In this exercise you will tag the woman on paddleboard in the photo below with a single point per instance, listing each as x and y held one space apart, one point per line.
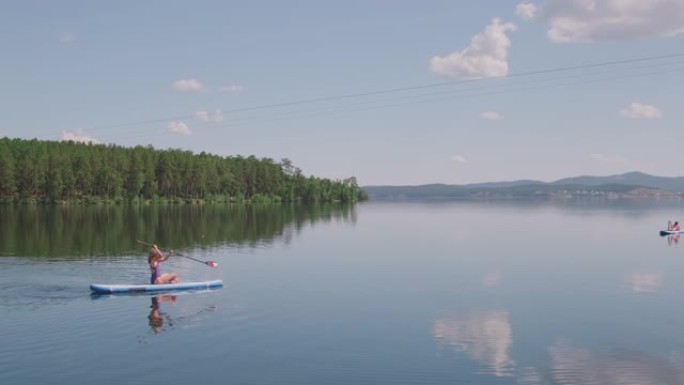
155 258
673 227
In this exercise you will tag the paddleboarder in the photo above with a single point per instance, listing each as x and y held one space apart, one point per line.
155 258
673 226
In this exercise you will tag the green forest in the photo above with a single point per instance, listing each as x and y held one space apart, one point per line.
67 172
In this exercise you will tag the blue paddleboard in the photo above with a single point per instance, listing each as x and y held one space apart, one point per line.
114 288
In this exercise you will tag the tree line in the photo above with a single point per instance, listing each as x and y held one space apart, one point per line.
66 171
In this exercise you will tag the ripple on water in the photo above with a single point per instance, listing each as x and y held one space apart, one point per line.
576 365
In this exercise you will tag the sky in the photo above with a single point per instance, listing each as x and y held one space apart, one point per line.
392 92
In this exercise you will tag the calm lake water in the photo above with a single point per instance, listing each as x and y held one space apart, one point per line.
377 293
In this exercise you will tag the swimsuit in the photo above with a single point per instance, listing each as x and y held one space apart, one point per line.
155 275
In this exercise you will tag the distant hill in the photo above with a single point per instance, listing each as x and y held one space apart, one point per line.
673 184
524 182
628 185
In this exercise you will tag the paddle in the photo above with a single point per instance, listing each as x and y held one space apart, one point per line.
208 263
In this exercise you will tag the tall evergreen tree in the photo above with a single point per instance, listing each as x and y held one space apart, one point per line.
8 184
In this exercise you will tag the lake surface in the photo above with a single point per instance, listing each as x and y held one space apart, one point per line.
378 293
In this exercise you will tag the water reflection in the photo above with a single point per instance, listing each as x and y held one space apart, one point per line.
673 239
77 231
530 376
159 319
573 365
156 317
492 279
485 336
644 282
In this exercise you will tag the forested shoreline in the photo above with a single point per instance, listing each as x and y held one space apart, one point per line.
68 172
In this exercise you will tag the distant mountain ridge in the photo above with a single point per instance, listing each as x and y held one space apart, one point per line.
672 184
631 184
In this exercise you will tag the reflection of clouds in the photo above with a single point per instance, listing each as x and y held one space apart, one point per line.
485 336
529 376
492 279
641 282
572 365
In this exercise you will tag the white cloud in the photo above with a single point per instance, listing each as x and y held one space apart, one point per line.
188 85
179 128
205 116
609 159
485 56
572 21
458 159
641 111
233 88
78 136
491 115
526 11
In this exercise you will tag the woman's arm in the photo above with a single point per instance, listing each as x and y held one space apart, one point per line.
161 257
167 256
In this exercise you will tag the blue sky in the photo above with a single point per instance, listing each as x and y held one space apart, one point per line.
392 92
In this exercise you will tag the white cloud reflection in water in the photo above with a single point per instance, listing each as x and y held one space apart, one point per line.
644 282
492 279
485 336
573 365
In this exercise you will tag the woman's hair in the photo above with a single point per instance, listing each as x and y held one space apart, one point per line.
153 254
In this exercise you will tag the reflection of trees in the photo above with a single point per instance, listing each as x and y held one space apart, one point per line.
485 336
110 230
572 365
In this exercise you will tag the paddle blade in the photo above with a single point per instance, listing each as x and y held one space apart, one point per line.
212 264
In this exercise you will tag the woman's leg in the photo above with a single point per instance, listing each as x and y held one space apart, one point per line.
167 278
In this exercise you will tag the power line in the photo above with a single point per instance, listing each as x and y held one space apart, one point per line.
397 90
437 96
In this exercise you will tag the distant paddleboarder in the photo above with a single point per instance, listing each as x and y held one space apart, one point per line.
673 226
